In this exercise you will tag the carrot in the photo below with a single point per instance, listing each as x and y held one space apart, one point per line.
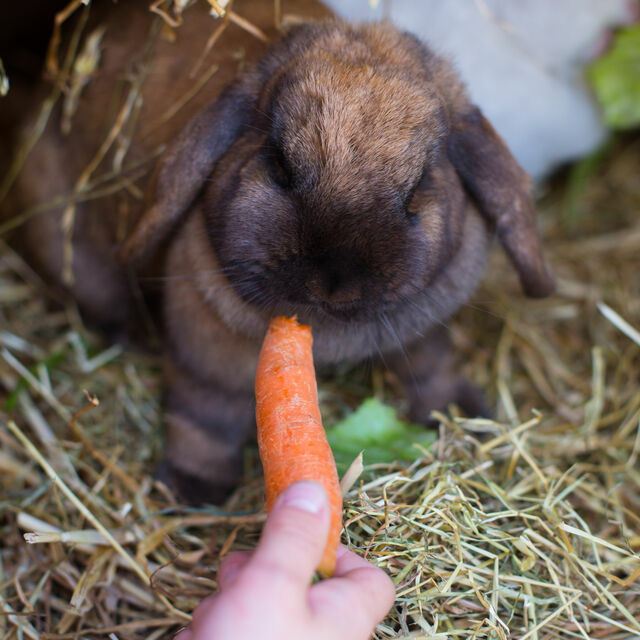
292 443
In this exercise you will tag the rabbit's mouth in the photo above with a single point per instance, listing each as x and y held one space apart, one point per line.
344 314
259 292
310 294
348 313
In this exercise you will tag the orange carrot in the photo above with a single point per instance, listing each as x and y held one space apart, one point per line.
292 442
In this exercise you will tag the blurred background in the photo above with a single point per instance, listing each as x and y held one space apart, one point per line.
523 61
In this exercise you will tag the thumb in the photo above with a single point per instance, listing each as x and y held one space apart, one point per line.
294 536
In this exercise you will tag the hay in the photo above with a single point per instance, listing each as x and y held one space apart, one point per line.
524 527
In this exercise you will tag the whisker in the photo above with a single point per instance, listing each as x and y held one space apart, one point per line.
258 129
186 275
394 334
426 311
437 303
489 313
263 113
178 277
376 344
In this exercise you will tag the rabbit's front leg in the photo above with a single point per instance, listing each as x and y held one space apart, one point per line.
206 427
426 369
209 372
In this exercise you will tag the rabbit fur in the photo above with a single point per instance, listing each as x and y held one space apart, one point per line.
340 174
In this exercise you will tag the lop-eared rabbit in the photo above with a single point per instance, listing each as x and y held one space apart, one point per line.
339 173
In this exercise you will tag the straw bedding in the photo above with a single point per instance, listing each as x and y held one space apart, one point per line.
524 527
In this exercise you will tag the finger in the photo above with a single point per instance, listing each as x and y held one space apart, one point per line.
292 541
230 567
357 600
347 560
201 613
184 634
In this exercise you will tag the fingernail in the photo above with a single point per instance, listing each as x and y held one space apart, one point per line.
306 495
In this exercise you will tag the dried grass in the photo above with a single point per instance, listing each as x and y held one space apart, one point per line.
524 527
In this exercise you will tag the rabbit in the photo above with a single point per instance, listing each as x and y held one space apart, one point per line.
342 176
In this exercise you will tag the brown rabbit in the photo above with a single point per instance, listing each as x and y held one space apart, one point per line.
344 177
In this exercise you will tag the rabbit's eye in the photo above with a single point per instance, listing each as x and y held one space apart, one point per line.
278 168
280 171
411 203
413 213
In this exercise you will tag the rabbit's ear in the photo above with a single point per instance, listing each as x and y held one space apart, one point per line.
184 169
502 191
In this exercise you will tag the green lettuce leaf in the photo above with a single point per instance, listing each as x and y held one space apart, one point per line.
376 429
615 78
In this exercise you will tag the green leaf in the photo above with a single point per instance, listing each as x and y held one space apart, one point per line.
51 363
616 80
376 429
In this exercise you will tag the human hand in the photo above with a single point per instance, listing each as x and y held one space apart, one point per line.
268 594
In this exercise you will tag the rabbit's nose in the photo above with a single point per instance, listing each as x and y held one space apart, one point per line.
336 279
